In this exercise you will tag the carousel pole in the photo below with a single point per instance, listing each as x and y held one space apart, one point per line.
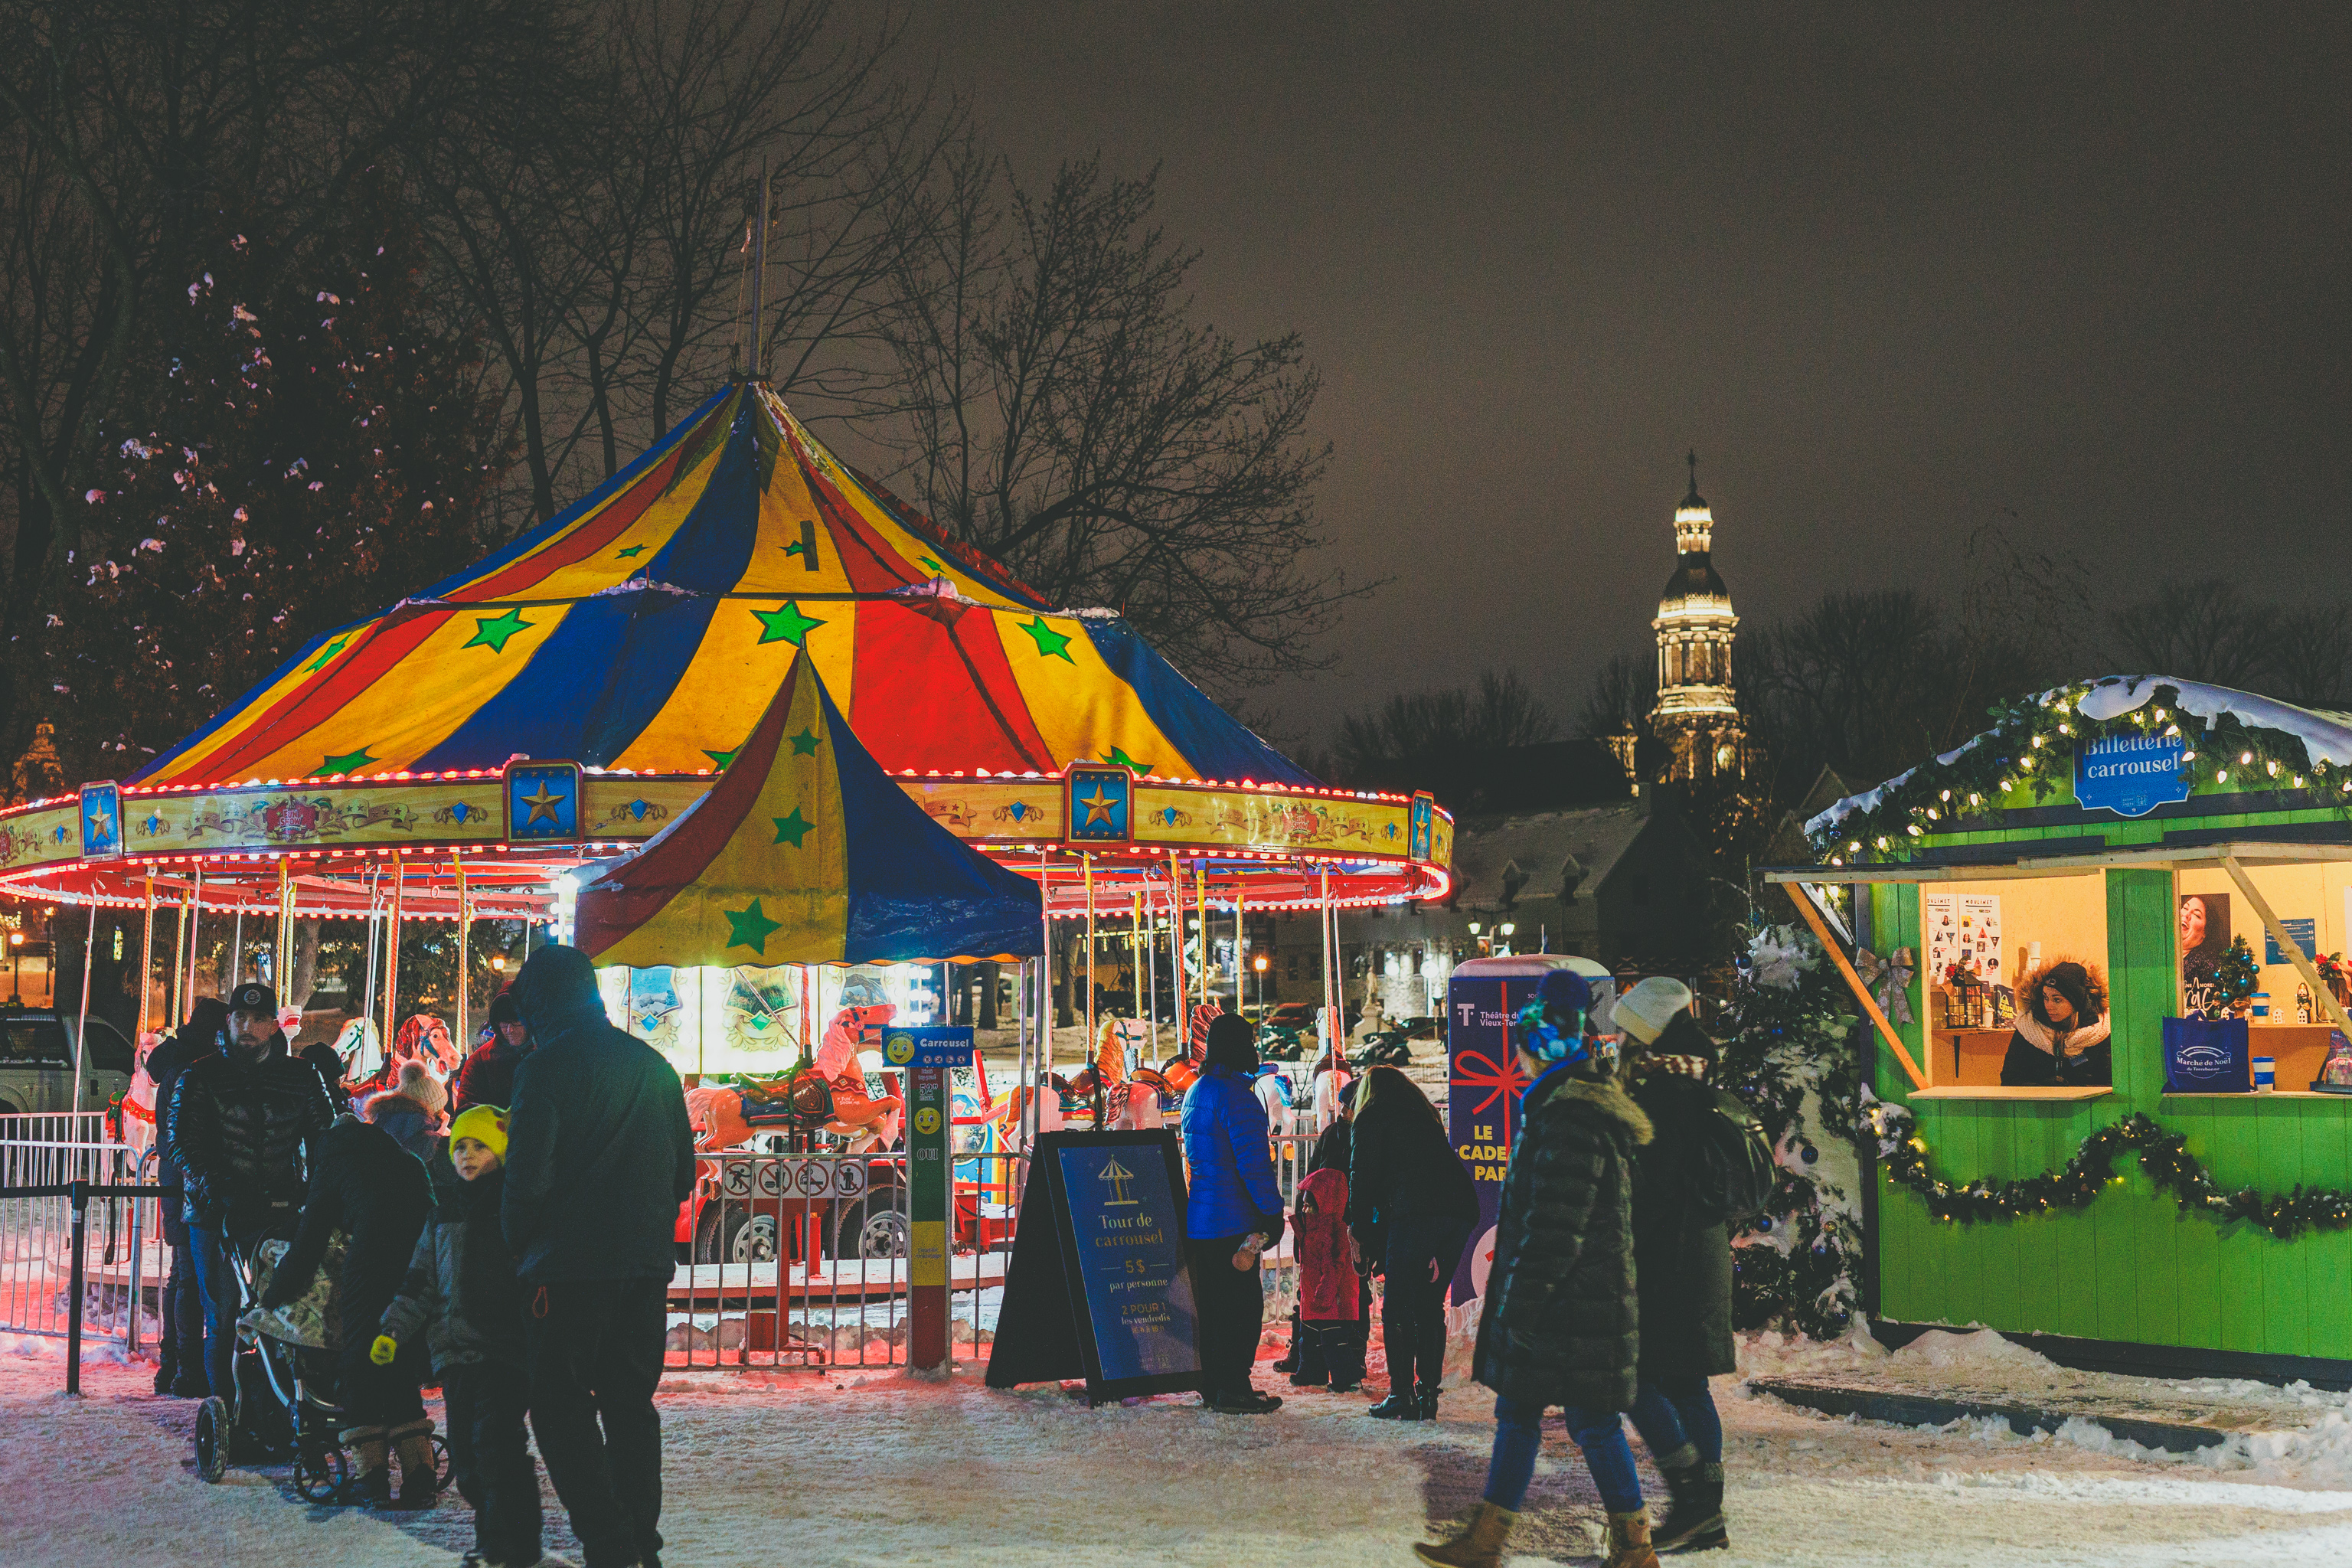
281 952
195 931
1134 953
1094 1047
1240 895
237 947
1323 925
391 959
464 975
367 991
81 1024
1200 897
1176 947
147 955
179 957
1147 963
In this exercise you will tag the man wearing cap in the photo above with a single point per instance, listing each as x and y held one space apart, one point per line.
235 1130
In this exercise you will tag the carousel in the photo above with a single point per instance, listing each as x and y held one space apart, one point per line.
476 751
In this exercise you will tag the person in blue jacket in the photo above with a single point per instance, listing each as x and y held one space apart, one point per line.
1233 1200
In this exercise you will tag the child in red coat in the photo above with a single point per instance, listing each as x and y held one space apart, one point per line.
1330 1292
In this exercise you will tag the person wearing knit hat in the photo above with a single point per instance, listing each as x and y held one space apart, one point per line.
488 1078
2060 1035
463 1300
412 1110
1681 1261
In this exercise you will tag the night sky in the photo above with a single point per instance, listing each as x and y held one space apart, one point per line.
1894 272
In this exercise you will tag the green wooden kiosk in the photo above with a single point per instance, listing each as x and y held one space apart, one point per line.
2138 825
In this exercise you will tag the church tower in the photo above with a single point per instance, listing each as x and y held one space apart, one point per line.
1696 715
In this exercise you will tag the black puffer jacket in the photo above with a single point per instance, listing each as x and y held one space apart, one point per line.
1561 1324
371 1188
1402 1165
198 1038
599 1154
1682 1258
234 1131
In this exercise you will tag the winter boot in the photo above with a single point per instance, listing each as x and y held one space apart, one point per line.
1693 1521
1399 1405
1480 1544
1629 1542
1424 1402
420 1477
370 1485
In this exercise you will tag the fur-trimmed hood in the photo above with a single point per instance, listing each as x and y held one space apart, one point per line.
2038 1034
1605 1095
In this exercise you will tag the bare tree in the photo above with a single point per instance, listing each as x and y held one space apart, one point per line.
1499 713
1070 417
1624 691
2201 631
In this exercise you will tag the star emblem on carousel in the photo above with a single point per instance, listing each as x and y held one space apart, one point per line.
101 822
720 760
934 565
804 743
786 623
345 764
631 553
794 828
326 655
543 804
492 631
1051 644
750 928
1100 806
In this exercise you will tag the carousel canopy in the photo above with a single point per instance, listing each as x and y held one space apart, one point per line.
804 852
643 628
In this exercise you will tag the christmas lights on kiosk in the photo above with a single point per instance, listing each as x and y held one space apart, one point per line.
568 697
2128 819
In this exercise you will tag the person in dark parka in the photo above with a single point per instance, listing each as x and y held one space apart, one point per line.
1561 1321
1411 1207
367 1185
599 1156
181 1371
1682 1256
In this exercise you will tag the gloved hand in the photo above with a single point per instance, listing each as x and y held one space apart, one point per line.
385 1349
1270 1226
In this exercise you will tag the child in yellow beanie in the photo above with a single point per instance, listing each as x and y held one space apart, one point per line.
463 1294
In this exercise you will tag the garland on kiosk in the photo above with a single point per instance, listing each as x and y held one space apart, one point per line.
2030 746
2163 1155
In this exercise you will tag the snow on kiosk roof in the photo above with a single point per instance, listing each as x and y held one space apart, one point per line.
2182 1232
631 644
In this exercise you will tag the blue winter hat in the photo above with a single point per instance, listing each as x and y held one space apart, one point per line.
1563 994
1566 990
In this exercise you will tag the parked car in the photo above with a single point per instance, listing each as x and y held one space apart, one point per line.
36 1063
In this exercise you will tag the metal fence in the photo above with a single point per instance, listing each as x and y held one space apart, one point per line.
123 1260
800 1259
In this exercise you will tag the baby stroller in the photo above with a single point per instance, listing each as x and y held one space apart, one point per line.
282 1411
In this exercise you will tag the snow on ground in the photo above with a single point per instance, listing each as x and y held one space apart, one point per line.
875 1468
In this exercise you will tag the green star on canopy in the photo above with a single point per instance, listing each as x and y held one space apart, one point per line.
632 550
325 654
750 928
492 631
934 565
348 763
1051 644
720 759
786 623
804 743
1119 758
794 828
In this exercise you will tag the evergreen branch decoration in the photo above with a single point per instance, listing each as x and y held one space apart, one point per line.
2030 746
2163 1155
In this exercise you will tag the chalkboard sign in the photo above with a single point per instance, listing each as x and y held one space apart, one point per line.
1098 1286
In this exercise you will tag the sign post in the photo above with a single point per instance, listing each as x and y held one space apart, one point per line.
927 1055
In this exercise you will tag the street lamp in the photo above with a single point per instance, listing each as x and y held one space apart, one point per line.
17 971
1473 928
1258 964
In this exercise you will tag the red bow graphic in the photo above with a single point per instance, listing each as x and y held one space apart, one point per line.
1473 1070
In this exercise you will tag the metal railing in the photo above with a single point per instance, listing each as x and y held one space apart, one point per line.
60 1198
800 1259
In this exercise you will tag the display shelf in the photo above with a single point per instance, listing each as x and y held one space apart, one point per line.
2273 1094
1995 1092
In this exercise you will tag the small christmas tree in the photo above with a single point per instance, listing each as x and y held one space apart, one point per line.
2234 979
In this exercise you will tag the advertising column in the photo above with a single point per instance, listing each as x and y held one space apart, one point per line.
928 1056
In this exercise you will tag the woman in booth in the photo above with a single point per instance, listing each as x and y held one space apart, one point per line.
2060 1039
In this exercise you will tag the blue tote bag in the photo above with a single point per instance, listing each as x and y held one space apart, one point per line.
2205 1057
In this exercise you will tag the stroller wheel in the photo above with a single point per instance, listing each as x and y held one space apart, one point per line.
320 1471
445 1474
212 1439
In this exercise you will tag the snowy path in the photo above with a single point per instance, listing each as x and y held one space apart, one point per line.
766 1468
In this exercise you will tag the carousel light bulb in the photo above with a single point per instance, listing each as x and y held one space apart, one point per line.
2245 757
2220 775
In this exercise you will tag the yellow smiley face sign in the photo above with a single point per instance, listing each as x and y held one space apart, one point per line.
926 1121
898 1049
